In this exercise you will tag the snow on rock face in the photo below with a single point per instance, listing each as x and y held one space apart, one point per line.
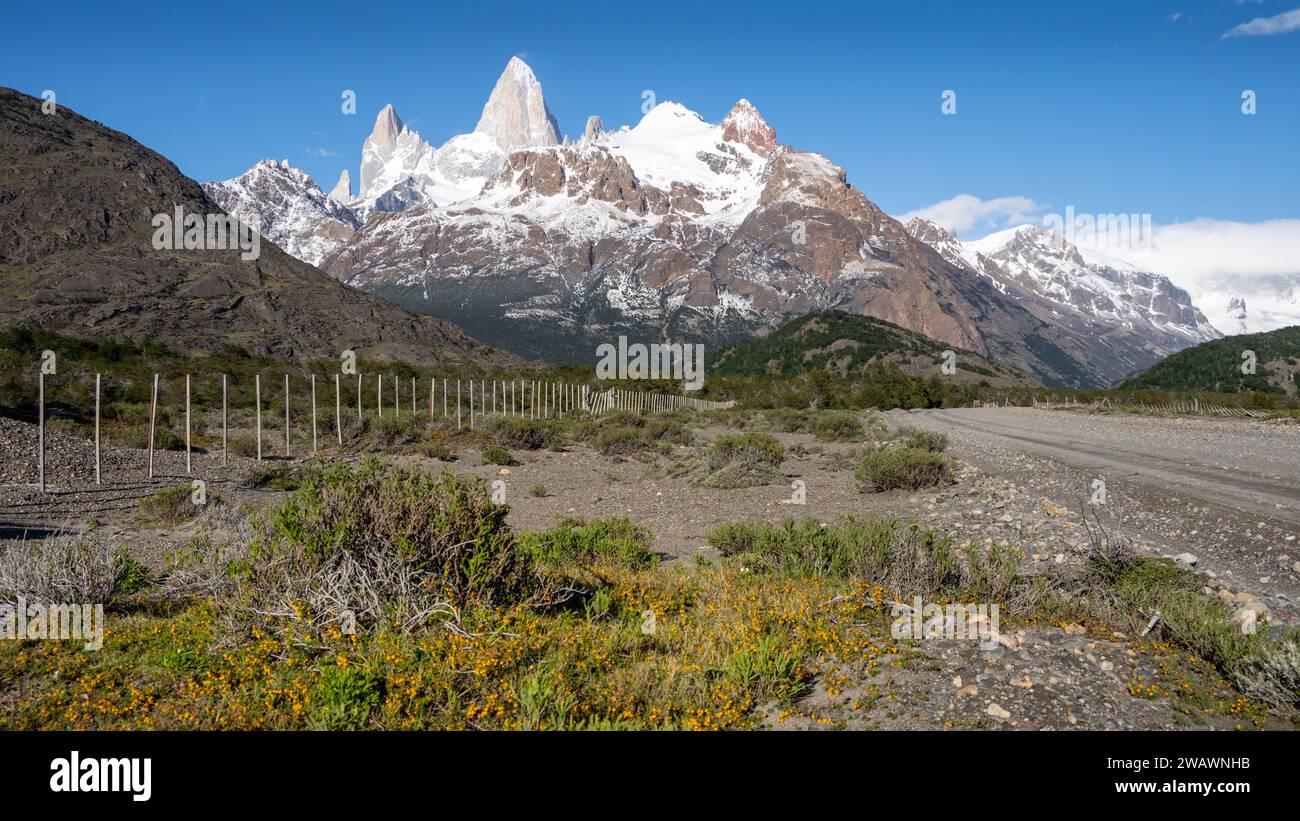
1088 284
594 130
515 115
746 126
673 147
379 147
1273 299
342 192
287 207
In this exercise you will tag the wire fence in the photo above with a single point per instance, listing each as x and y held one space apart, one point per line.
470 402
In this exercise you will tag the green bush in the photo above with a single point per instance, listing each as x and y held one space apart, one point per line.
904 467
924 439
908 558
170 506
621 440
497 455
436 450
529 434
788 420
378 543
742 460
838 426
616 541
345 697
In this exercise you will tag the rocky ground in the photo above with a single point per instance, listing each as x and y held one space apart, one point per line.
1039 676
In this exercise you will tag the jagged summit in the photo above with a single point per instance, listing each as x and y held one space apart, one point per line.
594 130
342 191
515 115
746 126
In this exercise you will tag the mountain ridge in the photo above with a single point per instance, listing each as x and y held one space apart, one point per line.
78 256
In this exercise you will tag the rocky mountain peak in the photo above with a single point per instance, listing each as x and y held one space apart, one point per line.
594 131
379 146
1236 315
342 191
515 115
746 126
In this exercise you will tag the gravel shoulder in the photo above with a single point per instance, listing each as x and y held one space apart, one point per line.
1224 490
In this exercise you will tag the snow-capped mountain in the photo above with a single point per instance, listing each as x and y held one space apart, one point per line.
1255 303
677 227
1139 314
288 208
395 157
685 229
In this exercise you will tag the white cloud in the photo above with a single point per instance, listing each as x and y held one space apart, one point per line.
1175 17
322 152
1284 23
964 212
1205 249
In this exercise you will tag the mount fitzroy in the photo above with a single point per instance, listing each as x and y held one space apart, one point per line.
679 229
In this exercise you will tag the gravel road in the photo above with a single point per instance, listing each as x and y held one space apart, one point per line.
1226 490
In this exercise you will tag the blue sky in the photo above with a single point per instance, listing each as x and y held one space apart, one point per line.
1128 106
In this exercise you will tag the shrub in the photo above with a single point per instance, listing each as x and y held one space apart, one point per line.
70 569
788 420
276 477
620 440
242 446
742 460
908 559
923 439
616 541
903 467
838 426
344 698
378 543
436 450
537 491
497 455
529 434
170 506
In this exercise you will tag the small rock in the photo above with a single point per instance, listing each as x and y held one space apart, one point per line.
997 711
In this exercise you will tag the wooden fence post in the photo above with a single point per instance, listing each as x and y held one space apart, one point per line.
338 407
188 466
224 454
40 433
97 429
153 412
313 414
257 399
457 404
286 416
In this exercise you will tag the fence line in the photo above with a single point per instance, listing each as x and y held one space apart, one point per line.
1172 408
519 398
